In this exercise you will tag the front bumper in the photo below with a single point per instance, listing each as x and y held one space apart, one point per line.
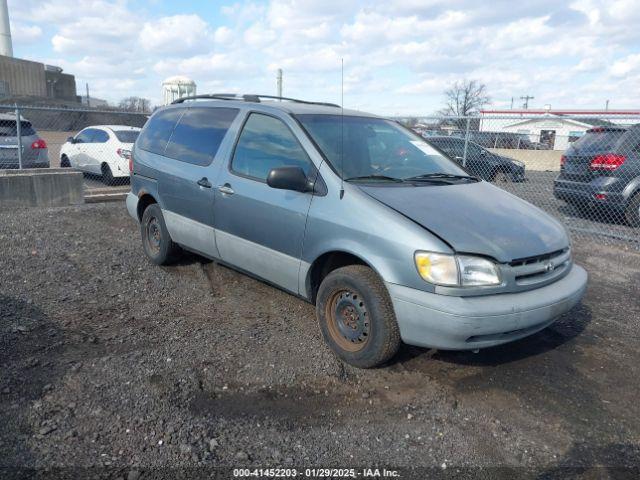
467 323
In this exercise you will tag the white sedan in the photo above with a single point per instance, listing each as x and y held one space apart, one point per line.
101 150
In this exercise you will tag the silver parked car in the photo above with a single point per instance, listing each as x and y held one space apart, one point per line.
389 247
34 149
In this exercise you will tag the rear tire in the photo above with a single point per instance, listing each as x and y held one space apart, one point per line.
356 316
632 212
107 175
156 241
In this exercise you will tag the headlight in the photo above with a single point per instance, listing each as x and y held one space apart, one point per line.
456 270
518 163
475 271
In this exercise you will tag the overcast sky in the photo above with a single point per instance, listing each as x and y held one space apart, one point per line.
399 55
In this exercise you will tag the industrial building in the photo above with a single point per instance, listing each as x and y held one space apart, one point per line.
25 79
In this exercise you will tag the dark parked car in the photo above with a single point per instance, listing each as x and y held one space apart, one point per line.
33 148
602 169
480 161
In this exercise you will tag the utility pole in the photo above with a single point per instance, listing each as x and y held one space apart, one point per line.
526 99
511 103
88 98
279 82
606 106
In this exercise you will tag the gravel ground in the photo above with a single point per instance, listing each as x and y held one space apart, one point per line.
110 361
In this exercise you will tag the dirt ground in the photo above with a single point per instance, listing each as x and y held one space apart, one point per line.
111 362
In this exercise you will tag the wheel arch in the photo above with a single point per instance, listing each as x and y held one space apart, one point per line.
325 264
144 201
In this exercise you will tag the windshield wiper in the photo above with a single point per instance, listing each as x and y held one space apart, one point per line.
375 177
441 176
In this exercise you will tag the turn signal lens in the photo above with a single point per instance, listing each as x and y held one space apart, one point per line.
437 268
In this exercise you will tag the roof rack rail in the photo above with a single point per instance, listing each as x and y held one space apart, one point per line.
249 98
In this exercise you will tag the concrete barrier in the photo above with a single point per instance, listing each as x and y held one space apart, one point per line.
46 187
541 160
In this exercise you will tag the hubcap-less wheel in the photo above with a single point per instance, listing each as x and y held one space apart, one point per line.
154 235
348 320
501 178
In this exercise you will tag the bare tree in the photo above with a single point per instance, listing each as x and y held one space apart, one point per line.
135 104
464 98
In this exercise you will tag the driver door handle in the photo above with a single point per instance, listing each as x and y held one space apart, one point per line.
204 182
226 189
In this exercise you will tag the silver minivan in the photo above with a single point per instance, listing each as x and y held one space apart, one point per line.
392 241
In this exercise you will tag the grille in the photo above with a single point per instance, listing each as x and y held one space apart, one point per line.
541 268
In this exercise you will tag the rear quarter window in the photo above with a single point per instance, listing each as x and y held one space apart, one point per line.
157 131
127 136
199 133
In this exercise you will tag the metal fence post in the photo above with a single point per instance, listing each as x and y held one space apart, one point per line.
19 134
466 143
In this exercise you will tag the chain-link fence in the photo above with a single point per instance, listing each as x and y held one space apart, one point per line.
98 143
584 170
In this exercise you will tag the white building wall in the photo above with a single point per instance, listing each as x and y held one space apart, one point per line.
533 124
563 129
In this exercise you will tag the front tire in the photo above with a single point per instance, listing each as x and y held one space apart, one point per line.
64 162
156 241
632 212
356 316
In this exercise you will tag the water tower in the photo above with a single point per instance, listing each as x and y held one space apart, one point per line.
177 87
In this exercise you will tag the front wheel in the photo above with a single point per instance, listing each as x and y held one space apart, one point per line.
156 240
356 316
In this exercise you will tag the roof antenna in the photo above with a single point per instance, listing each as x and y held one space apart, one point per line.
341 128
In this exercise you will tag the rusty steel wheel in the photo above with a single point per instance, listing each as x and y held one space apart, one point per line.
156 241
356 316
347 320
154 235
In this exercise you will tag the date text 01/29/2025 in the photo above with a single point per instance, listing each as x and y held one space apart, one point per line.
315 473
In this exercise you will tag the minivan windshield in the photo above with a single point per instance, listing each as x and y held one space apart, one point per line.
377 150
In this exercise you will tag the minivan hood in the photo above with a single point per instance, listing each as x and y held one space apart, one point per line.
476 218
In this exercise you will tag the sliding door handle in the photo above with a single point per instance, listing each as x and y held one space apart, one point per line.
226 189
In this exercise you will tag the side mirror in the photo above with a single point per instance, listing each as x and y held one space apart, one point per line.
71 140
288 178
